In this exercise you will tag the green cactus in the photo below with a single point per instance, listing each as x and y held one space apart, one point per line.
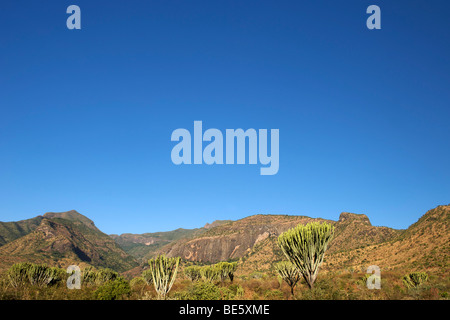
210 273
148 276
226 270
40 275
164 271
193 273
305 246
414 279
289 273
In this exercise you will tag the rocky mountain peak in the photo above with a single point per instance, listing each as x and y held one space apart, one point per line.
348 217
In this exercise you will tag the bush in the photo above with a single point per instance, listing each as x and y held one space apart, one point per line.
147 276
414 279
193 273
113 290
201 290
98 277
210 273
40 275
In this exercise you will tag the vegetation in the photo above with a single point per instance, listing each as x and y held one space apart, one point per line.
414 279
305 247
289 273
193 273
210 273
21 274
164 271
113 290
226 270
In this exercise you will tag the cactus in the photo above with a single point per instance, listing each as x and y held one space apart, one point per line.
226 270
289 273
210 273
164 271
93 277
193 272
414 279
148 277
305 246
40 275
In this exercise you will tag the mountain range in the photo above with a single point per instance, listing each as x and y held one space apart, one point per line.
66 238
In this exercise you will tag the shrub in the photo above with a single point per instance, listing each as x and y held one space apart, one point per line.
227 270
40 275
147 276
210 273
201 290
289 273
113 290
193 273
91 276
414 279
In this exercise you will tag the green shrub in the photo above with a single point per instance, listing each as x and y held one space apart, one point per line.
113 290
201 290
137 282
193 273
414 279
147 276
93 277
274 295
40 275
210 273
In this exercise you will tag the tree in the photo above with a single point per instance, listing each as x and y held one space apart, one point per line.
193 272
289 273
210 273
164 271
227 270
305 246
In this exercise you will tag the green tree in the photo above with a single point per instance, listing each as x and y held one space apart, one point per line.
113 290
226 270
289 273
40 275
193 273
147 276
414 279
305 246
210 273
164 271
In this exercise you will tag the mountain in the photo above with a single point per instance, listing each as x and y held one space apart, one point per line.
70 238
425 244
62 239
144 246
236 239
10 231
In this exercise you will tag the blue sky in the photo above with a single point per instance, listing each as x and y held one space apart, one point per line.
86 115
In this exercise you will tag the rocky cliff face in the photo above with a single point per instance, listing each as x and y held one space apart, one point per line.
237 239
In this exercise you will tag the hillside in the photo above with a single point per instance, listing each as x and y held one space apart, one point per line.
144 246
234 240
10 231
425 244
62 239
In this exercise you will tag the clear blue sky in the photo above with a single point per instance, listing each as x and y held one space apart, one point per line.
86 115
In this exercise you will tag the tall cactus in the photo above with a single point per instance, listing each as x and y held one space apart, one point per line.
164 271
289 273
305 246
210 272
226 270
